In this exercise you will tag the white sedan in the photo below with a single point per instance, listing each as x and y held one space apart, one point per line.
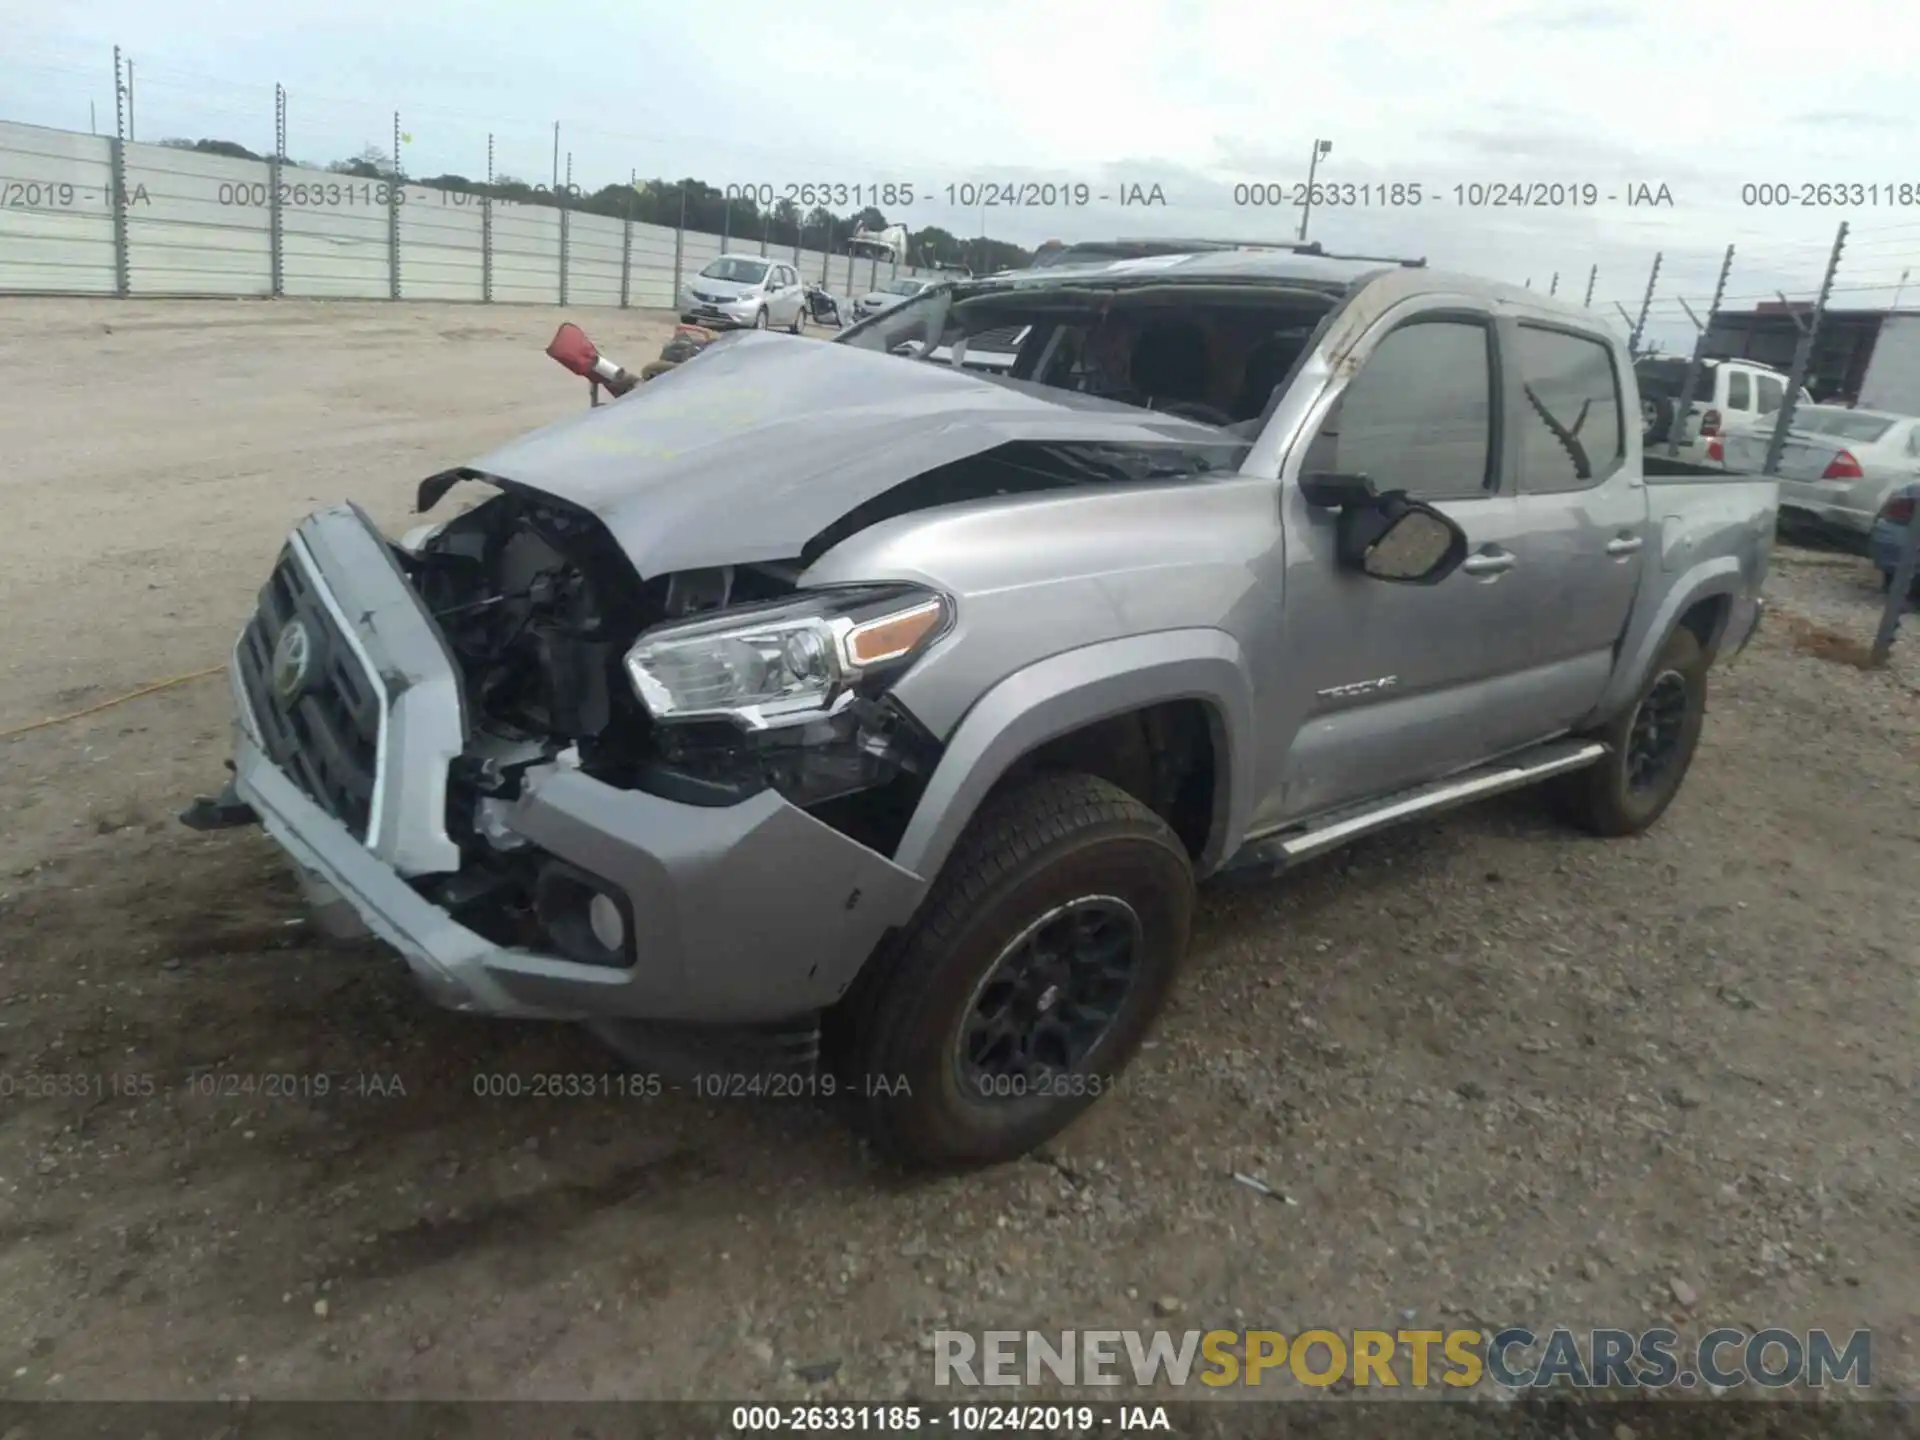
1838 465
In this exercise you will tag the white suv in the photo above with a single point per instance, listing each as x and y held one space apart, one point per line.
1731 397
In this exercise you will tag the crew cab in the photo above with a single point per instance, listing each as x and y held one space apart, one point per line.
837 707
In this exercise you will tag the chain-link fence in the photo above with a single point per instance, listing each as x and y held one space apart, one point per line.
184 184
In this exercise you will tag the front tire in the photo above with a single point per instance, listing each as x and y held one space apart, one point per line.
760 318
1037 964
1650 747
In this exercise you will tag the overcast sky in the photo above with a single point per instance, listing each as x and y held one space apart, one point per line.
1194 97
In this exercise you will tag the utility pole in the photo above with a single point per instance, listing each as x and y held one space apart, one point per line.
1692 382
1320 147
132 134
1646 304
276 218
556 156
1553 286
1803 356
1592 275
117 159
394 199
562 194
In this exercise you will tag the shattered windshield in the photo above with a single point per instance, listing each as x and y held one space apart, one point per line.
1211 353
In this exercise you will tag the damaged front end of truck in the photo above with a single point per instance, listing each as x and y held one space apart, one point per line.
595 748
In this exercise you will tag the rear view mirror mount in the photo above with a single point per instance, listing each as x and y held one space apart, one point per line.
1331 490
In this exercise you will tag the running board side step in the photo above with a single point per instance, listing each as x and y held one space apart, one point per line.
1290 846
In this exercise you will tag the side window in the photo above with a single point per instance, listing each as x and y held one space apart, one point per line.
1773 393
1570 426
1419 415
1739 391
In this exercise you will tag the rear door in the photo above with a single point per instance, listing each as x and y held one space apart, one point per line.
1583 512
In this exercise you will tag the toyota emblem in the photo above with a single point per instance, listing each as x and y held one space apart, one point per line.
292 658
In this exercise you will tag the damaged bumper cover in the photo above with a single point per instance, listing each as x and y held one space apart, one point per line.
746 913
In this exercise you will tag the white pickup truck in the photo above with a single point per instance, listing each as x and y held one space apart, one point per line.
1730 397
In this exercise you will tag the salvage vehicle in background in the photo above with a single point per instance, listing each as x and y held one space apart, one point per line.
894 292
1838 465
1730 397
846 712
745 291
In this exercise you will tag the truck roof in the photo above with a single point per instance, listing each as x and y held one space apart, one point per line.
1315 269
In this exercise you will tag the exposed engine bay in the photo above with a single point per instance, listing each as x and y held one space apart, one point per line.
539 608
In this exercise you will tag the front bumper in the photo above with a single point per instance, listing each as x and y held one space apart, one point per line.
741 914
727 314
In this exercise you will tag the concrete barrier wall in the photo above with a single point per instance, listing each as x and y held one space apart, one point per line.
194 224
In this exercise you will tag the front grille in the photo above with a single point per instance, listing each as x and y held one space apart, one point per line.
324 732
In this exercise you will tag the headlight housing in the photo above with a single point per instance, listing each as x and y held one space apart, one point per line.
764 667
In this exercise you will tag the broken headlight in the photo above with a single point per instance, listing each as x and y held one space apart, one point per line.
766 667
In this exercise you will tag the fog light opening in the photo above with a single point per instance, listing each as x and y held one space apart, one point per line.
586 919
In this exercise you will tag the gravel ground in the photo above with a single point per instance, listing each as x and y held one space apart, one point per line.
1500 1072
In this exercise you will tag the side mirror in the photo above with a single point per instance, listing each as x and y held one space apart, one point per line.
573 349
1399 540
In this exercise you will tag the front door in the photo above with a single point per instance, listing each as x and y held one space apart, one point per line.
1386 685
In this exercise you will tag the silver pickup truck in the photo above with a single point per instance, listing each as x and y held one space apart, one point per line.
832 711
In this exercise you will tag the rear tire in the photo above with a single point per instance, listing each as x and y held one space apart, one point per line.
1061 916
799 319
1650 747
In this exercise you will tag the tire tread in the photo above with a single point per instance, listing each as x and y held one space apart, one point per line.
1011 830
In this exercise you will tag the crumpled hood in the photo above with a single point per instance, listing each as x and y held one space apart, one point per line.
755 446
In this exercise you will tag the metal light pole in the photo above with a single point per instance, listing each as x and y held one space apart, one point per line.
1320 147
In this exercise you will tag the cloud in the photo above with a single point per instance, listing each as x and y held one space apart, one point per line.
1576 17
1866 119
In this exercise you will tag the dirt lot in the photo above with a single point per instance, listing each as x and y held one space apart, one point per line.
1504 1073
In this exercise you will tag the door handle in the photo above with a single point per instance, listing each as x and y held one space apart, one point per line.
1624 544
1489 562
